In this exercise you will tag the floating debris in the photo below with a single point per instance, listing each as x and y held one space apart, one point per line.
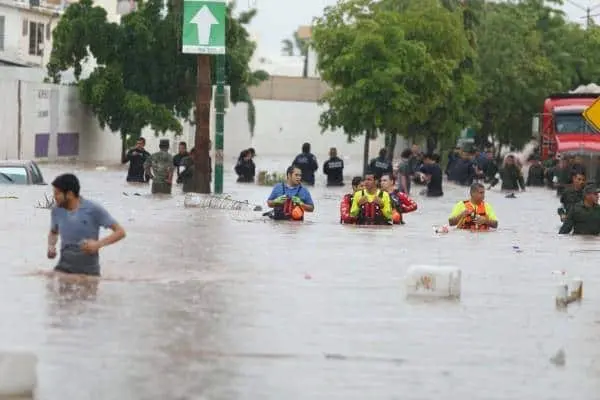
46 203
559 359
218 202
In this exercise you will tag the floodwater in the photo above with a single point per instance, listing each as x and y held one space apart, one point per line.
218 305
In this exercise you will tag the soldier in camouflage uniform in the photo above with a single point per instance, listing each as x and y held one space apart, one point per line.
161 164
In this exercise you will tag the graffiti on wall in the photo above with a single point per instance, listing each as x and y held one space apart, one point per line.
43 102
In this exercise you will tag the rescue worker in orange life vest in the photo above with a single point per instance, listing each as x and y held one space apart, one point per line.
474 213
371 206
401 203
346 204
288 195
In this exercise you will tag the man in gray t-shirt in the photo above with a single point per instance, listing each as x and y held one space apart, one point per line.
78 221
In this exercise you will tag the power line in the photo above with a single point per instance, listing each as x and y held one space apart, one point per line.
588 11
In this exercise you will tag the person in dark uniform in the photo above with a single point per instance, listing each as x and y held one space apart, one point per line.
536 173
380 165
334 169
245 168
177 159
584 217
572 195
307 163
432 170
136 158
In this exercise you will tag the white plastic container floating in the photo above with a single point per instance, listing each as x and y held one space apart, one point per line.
568 291
18 374
433 281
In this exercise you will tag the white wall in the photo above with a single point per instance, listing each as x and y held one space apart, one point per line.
12 33
8 119
281 128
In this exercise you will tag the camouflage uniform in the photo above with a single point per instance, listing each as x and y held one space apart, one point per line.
162 166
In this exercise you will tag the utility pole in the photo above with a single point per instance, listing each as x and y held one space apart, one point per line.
588 11
203 34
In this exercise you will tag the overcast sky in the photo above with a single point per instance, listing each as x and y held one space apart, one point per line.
278 19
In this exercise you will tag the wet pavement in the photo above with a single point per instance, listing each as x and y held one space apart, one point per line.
201 304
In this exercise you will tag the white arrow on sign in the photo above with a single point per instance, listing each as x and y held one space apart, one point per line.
204 20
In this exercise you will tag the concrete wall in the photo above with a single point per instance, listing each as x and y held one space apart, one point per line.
47 122
290 88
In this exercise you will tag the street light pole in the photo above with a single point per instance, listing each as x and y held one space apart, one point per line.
219 122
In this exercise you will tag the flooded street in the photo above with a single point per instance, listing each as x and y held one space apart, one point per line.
204 304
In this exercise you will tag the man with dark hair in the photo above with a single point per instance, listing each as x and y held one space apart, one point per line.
77 221
370 205
160 167
475 213
334 169
583 218
380 165
404 172
178 158
287 195
307 162
136 158
433 175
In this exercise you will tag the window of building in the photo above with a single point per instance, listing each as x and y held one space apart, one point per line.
2 34
36 38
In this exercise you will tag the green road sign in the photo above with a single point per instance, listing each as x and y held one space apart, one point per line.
204 26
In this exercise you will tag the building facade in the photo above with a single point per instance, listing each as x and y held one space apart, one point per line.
26 27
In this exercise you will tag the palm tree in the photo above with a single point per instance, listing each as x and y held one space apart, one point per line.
297 46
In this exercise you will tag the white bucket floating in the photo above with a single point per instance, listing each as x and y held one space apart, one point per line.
433 281
18 374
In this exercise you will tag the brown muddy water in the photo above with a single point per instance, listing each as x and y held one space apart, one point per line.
204 304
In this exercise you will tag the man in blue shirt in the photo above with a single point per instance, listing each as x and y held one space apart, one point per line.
77 221
289 193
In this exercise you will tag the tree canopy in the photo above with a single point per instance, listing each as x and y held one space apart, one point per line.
426 69
142 78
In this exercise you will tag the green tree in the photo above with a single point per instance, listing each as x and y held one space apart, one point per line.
142 78
294 46
515 75
447 33
383 78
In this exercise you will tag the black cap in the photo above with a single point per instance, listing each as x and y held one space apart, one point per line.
163 143
589 189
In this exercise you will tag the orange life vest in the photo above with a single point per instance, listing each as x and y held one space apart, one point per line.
469 221
288 210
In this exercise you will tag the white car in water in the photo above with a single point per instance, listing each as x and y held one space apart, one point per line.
20 172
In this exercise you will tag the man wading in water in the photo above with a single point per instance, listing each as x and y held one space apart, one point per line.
78 221
161 164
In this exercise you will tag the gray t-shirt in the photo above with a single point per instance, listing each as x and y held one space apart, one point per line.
75 226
